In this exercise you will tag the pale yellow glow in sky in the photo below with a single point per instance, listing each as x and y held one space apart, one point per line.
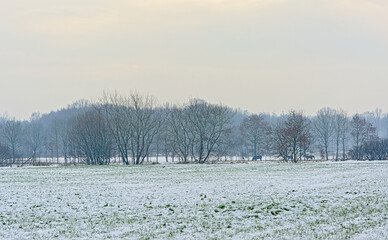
259 55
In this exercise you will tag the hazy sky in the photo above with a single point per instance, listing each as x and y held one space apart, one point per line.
259 55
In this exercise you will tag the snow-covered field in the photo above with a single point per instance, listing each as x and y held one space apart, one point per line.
239 201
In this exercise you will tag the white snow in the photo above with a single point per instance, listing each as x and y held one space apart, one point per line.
239 201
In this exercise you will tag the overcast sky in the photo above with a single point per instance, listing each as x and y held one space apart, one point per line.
259 55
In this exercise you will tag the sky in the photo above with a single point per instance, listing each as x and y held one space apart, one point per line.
257 55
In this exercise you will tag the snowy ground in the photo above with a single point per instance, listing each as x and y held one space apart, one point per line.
239 201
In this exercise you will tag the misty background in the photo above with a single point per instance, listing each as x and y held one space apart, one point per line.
137 129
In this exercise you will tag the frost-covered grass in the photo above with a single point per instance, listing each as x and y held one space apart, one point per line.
240 201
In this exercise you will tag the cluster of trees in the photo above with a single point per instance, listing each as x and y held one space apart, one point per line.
329 132
133 129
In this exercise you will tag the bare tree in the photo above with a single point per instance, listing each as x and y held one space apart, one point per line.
224 147
374 117
144 124
208 123
133 123
292 138
5 155
54 137
384 125
117 112
35 134
60 138
280 142
12 132
324 128
255 131
64 136
341 130
361 131
375 149
178 119
89 131
165 140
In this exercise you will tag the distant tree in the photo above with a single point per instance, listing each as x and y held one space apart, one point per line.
324 128
361 131
5 155
12 133
90 133
255 131
144 124
281 142
341 132
292 137
375 149
224 147
208 123
240 148
181 137
54 137
133 123
160 143
62 136
164 136
374 117
35 134
117 111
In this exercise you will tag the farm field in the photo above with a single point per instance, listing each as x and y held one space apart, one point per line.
347 200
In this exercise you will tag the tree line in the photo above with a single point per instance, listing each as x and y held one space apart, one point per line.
134 129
